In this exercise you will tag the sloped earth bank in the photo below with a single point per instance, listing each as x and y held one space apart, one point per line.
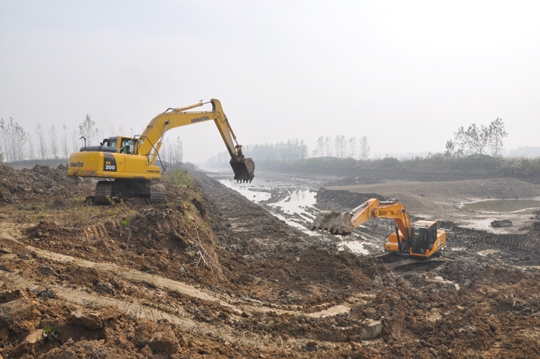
210 274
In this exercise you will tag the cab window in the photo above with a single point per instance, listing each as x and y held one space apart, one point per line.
127 145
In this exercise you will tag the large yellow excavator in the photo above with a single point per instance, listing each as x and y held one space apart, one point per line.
130 160
421 239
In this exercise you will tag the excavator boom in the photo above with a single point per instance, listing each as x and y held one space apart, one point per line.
151 139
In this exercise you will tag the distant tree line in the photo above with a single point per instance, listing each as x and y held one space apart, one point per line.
53 142
283 151
478 140
342 147
292 150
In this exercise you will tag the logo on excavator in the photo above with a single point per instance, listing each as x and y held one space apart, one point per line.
384 213
109 163
75 164
204 118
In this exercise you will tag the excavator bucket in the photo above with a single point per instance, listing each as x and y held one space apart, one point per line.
243 168
335 222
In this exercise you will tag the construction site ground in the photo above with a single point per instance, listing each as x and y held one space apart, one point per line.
229 270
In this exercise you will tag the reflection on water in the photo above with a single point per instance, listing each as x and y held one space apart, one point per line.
247 190
502 205
296 202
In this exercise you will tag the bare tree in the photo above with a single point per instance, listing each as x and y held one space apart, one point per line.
13 140
3 139
328 145
31 154
87 129
353 147
496 135
42 147
340 144
472 141
475 140
64 141
74 141
364 148
320 147
53 141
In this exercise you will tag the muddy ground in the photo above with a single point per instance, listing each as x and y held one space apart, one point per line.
211 274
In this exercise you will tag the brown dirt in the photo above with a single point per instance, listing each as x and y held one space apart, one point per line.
210 274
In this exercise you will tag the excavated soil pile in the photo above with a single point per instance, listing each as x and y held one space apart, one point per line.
209 274
37 184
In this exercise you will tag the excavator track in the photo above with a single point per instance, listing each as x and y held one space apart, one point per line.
103 192
157 193
394 261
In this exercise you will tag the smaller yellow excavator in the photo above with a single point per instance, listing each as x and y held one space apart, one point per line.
421 239
128 164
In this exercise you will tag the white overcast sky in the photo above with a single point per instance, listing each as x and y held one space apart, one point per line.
406 74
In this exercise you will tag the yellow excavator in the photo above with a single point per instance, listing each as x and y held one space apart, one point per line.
130 161
421 239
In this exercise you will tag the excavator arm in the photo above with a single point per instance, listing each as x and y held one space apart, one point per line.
343 223
149 143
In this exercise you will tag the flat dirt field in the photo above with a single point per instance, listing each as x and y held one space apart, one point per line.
211 274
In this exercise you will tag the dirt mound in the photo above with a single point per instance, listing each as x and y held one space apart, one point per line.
38 184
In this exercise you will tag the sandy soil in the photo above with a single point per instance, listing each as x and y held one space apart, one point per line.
210 274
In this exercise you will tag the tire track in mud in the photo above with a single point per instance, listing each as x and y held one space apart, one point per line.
139 310
10 232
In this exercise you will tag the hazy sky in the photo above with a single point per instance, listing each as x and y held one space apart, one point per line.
406 74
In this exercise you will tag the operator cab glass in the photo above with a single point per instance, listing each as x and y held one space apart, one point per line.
423 238
127 145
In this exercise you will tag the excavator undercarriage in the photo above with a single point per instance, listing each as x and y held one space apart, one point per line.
107 191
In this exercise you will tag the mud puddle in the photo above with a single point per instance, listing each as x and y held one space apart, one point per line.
356 247
290 199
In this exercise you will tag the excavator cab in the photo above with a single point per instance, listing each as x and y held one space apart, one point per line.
420 240
426 238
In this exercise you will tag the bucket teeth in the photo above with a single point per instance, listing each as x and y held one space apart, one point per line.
334 222
244 169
